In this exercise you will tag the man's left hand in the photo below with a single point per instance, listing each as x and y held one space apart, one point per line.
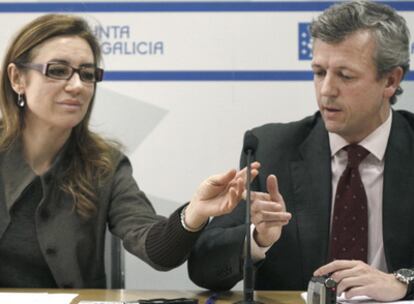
356 278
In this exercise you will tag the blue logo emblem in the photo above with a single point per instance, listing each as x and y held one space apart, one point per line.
305 41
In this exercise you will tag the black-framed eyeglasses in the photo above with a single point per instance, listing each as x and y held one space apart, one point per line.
63 71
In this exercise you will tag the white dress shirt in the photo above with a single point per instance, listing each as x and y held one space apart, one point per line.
372 175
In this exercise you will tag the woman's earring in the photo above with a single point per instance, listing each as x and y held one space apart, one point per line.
21 101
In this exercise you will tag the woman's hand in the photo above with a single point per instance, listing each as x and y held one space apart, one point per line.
217 195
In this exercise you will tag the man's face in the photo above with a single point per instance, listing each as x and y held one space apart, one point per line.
352 100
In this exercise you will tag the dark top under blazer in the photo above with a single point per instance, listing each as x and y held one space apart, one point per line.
298 153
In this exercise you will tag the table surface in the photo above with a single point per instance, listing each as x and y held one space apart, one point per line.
266 297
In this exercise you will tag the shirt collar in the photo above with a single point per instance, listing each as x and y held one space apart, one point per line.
375 143
17 174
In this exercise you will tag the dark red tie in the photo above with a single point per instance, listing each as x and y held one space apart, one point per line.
349 235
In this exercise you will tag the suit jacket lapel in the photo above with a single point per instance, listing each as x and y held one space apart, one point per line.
398 195
311 177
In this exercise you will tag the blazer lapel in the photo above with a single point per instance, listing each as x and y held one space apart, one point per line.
311 177
15 176
398 195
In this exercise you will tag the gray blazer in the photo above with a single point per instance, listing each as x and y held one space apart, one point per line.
73 247
298 153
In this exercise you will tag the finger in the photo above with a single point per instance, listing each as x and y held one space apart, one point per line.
253 174
257 196
254 171
333 266
220 180
282 220
356 291
232 201
255 165
357 269
265 215
235 192
348 283
261 204
273 188
240 188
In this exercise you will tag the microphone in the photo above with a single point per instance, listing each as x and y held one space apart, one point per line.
249 148
250 143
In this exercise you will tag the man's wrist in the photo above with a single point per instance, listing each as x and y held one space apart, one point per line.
406 276
258 252
410 291
259 241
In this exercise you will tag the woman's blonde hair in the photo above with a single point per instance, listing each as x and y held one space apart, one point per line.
90 156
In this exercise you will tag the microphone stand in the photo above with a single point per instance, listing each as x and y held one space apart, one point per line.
248 278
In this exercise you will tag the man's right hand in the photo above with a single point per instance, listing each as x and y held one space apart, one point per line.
268 212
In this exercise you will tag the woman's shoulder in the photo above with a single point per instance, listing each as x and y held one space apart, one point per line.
117 154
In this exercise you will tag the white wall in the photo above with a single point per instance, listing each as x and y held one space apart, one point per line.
179 132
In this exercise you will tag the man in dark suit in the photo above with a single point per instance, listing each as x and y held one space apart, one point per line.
360 56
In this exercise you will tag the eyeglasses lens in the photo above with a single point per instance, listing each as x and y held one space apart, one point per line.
63 71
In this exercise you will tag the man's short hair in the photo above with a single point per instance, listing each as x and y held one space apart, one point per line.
389 29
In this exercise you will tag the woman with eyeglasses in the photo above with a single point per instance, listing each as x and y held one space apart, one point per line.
61 184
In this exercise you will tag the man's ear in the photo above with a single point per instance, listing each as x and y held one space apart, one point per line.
393 80
16 77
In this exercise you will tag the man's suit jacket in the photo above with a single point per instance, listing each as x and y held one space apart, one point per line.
298 153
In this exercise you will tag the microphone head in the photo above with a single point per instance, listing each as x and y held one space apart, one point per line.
250 142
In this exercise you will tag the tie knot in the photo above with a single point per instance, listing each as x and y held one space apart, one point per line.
356 155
